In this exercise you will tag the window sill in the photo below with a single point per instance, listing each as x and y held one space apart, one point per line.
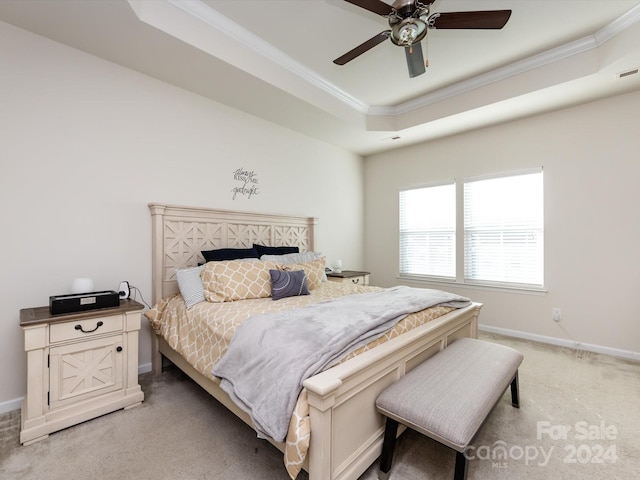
445 283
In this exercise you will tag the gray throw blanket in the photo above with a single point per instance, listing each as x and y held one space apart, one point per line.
270 355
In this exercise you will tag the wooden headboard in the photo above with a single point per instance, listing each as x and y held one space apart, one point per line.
180 233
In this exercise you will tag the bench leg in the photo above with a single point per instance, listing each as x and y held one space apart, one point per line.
461 467
515 391
390 432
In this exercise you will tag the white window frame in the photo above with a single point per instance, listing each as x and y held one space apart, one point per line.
460 259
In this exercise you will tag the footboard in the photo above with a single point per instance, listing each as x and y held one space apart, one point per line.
346 430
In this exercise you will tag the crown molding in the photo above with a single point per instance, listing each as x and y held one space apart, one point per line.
553 55
216 20
241 35
502 73
618 26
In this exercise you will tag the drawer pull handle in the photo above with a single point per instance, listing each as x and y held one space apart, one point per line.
98 325
356 280
118 349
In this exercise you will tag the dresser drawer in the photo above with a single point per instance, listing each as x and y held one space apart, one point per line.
359 280
85 328
348 276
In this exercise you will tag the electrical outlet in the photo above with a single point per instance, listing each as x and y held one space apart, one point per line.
556 314
124 290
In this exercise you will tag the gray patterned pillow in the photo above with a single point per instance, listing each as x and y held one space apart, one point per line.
288 284
190 285
289 258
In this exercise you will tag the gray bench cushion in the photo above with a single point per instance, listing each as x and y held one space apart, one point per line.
448 396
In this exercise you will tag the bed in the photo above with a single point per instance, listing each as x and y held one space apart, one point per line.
346 432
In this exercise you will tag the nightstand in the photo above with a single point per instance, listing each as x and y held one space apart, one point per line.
79 366
349 276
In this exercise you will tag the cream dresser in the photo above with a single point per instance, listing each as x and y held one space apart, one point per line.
349 276
79 366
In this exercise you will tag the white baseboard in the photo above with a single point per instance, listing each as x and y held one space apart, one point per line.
16 403
561 342
11 405
145 368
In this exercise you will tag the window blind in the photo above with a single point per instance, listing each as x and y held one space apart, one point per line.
503 229
428 231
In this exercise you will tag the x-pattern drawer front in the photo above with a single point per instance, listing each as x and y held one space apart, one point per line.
85 369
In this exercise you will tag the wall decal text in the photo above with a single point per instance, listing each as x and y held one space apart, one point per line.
248 183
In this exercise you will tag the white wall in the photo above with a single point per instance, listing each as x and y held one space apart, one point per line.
85 145
592 225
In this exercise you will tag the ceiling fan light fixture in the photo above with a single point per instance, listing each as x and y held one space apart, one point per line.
408 32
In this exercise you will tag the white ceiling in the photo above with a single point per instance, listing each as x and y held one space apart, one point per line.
273 59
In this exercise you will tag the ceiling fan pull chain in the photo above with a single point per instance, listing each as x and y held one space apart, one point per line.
426 45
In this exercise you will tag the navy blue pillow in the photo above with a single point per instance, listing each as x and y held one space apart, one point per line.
288 284
262 250
229 254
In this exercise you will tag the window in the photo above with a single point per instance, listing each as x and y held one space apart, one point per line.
428 231
503 230
501 241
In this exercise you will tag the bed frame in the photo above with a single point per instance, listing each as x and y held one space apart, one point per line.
346 430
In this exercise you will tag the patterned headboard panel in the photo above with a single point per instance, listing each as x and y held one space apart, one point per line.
180 233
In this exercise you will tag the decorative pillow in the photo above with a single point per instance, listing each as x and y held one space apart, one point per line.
262 250
288 284
231 280
314 271
289 258
190 285
222 254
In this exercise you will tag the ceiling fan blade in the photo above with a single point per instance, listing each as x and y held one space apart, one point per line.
488 19
415 60
375 6
363 47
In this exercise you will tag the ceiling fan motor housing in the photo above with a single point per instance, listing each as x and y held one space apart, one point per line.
402 9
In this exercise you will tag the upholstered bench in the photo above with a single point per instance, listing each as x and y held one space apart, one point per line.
448 396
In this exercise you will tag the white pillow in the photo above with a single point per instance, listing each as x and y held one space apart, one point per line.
289 258
190 285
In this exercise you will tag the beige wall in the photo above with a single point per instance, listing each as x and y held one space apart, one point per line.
591 161
86 145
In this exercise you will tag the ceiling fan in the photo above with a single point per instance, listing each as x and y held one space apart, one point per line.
409 21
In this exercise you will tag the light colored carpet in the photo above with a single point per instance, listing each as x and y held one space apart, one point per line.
180 433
